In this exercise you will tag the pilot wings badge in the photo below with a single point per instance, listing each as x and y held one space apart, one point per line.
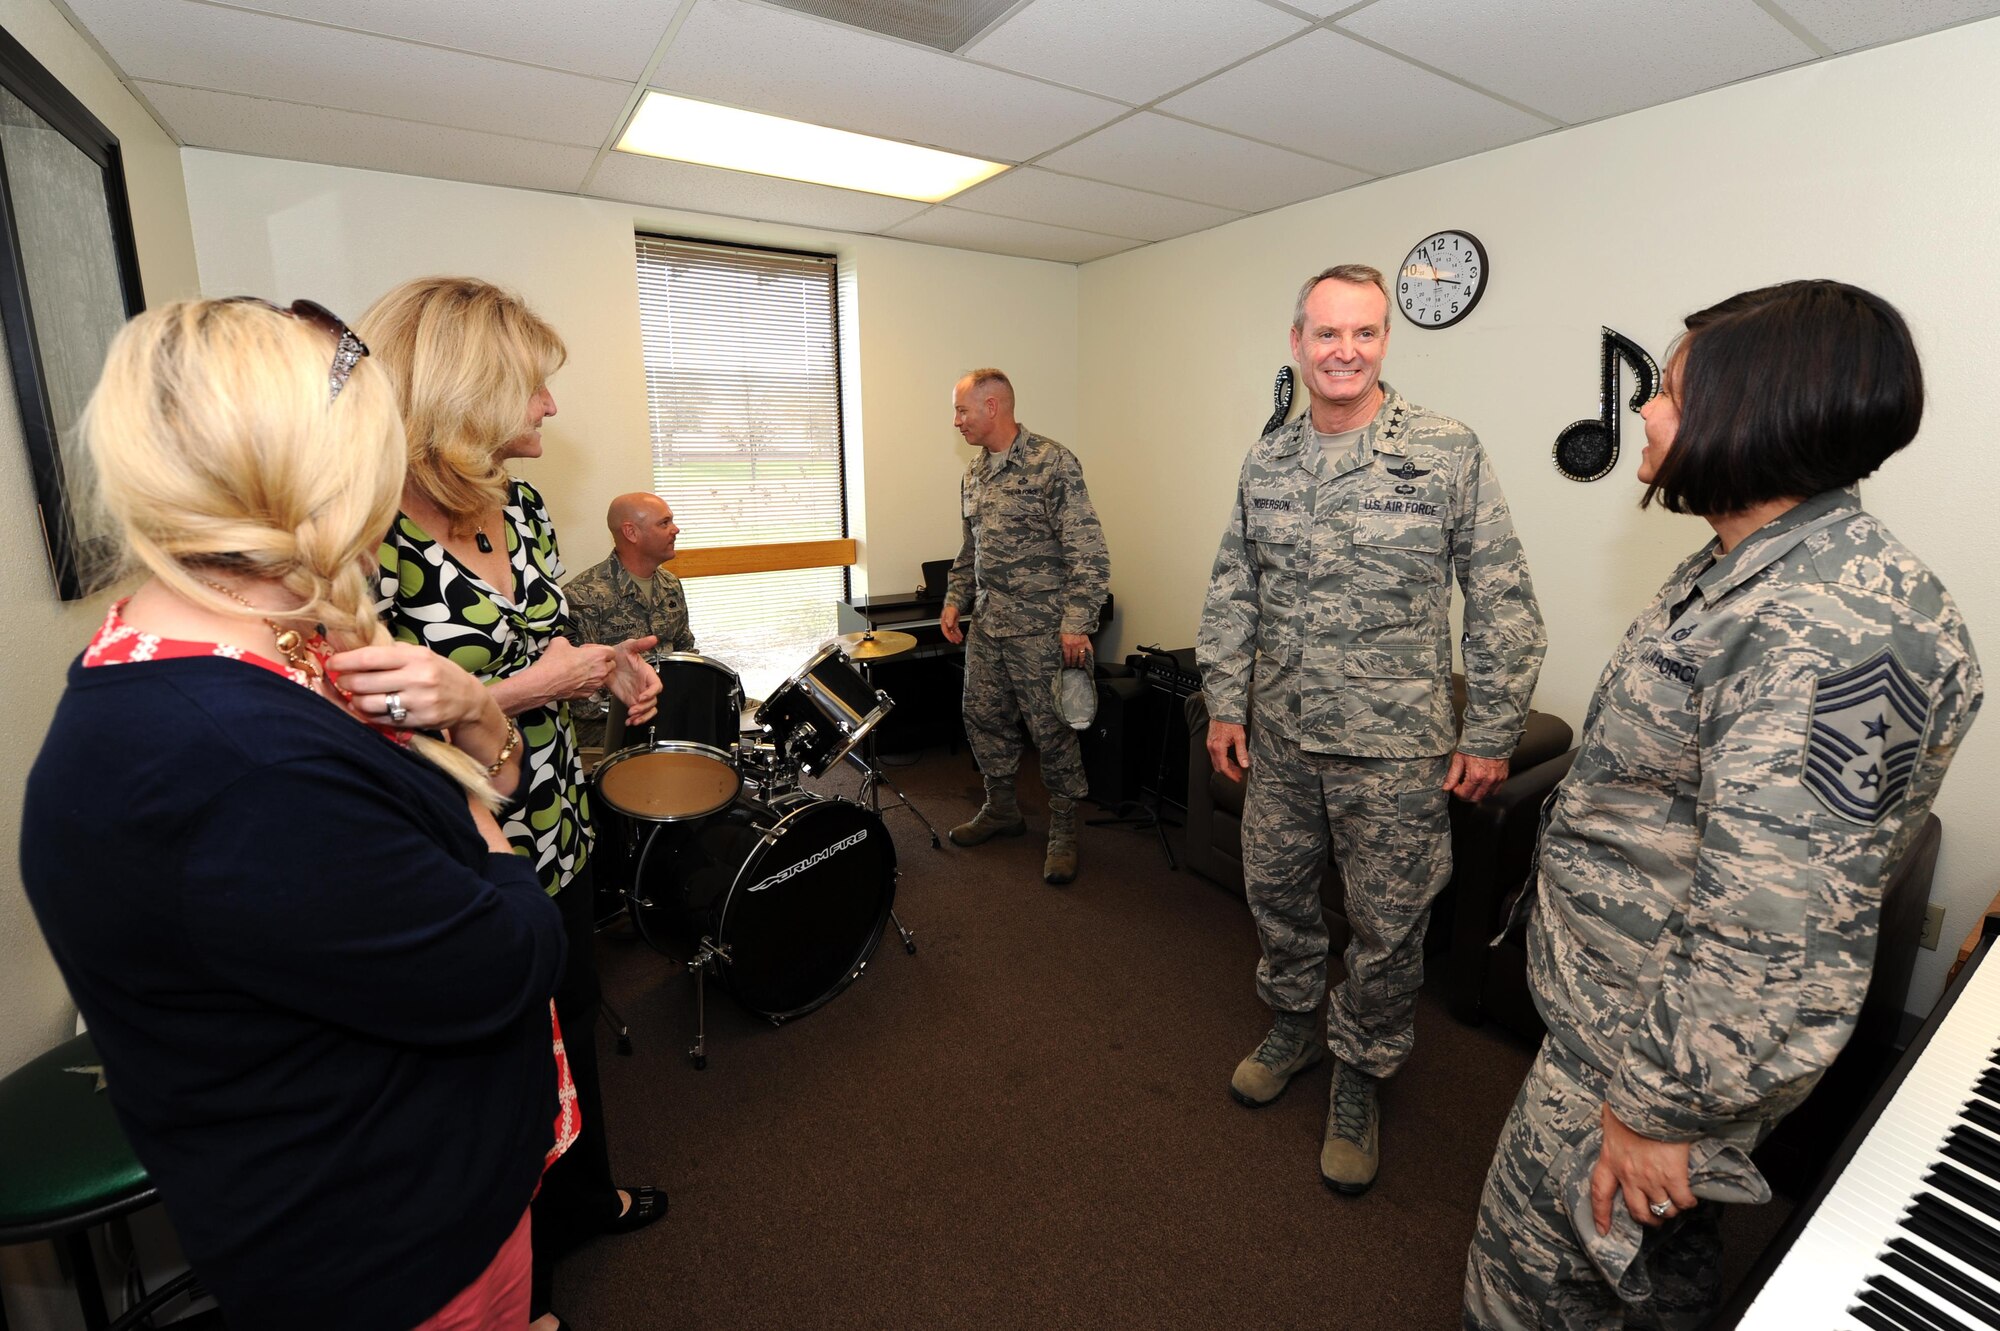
1408 472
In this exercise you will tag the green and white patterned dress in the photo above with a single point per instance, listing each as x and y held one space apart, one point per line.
427 597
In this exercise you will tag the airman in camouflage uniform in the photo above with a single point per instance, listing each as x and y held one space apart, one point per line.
1759 754
1032 572
630 594
1327 634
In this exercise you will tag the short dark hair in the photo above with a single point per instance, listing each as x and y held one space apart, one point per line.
1784 392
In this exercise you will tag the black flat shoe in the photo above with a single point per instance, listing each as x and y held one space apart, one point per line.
648 1204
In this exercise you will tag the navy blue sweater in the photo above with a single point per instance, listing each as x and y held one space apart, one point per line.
321 1002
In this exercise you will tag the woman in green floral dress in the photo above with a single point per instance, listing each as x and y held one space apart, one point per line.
471 570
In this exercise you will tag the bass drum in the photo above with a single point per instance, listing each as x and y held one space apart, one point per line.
798 891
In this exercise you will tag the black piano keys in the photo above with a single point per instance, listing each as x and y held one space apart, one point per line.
1932 1294
1896 1304
1943 1279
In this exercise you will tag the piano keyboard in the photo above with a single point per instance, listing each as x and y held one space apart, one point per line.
1908 1237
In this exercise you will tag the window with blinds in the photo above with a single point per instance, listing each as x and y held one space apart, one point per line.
743 400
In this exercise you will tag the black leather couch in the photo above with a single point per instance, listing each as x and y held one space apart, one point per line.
1478 831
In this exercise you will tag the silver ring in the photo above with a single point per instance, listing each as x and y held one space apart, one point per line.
1661 1210
397 712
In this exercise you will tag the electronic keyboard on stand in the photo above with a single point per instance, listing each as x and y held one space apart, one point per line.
1904 1235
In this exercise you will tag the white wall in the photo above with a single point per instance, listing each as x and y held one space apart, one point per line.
42 633
1864 168
913 318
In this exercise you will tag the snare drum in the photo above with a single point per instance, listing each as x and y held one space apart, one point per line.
668 781
819 714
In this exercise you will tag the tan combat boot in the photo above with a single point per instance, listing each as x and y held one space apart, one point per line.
999 816
1059 866
1292 1046
1352 1152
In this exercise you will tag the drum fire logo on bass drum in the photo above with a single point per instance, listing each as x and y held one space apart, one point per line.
817 857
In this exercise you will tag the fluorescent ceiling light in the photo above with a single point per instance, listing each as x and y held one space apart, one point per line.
711 135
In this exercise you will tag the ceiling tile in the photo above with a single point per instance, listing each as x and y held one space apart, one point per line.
1034 195
707 189
1151 151
1582 59
346 138
225 50
1132 49
770 60
1392 115
1320 8
1003 235
609 38
1846 25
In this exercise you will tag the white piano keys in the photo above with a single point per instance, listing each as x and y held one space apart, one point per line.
1840 1247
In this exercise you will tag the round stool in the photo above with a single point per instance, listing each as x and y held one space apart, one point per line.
65 1167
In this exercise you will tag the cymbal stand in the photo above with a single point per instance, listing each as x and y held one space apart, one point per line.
873 779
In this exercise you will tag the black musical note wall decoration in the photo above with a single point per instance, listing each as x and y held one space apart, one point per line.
1281 399
1587 450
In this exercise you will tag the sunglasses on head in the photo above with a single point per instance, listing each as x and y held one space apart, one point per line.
347 349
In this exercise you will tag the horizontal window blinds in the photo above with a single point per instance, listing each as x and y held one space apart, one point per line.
743 407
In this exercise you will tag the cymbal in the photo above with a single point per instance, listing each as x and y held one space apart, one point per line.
875 644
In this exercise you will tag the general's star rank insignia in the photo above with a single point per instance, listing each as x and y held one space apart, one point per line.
1868 724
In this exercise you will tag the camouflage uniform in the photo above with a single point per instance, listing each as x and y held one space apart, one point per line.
1033 565
1761 750
1327 631
610 606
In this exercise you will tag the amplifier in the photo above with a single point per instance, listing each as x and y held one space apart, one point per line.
1174 670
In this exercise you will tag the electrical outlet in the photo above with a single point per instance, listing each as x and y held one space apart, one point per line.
1933 926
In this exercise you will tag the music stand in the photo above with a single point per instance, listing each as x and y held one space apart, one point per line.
1146 810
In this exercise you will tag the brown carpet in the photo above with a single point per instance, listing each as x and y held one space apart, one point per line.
1027 1124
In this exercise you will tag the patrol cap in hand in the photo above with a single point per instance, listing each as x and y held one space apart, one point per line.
1076 697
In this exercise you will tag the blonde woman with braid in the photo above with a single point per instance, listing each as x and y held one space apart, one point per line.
317 976
470 569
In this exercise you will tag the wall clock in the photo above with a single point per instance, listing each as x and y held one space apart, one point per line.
1442 279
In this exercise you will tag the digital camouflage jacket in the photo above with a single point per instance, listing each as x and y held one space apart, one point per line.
1758 755
1329 607
1033 558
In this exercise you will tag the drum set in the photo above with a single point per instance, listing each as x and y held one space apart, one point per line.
727 865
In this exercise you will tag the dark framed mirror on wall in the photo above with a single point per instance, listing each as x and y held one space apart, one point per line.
69 279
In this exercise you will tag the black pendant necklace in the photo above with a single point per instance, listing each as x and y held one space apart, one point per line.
479 539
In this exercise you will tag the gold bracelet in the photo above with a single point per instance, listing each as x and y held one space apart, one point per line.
507 749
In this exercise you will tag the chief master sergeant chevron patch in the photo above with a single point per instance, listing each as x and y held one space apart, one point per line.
1868 723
